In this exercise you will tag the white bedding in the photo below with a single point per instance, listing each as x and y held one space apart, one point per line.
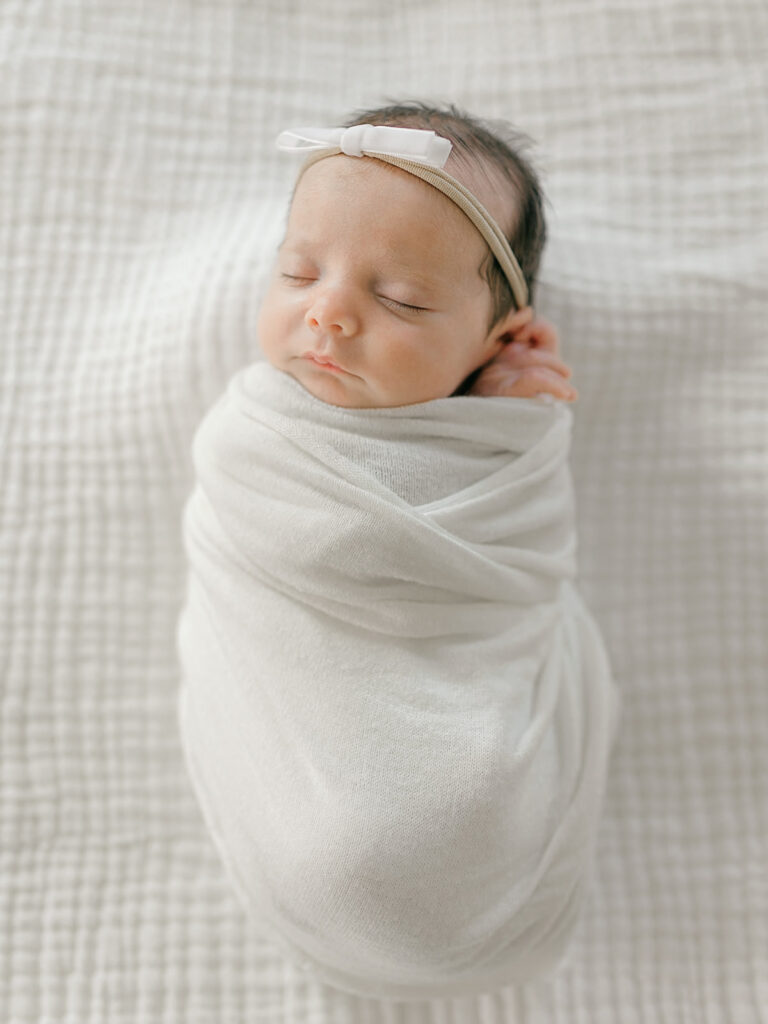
140 200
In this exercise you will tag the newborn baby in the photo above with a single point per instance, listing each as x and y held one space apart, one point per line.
379 296
396 710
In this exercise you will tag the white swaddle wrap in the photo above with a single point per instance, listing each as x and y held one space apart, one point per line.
396 710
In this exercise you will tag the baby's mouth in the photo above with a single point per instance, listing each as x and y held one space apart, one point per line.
324 362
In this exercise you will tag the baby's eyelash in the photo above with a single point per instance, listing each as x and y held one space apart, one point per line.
404 305
384 298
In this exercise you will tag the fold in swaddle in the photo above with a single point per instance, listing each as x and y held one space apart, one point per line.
395 708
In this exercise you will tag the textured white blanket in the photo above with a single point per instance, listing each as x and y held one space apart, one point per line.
141 200
396 709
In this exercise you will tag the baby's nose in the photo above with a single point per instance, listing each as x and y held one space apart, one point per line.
332 315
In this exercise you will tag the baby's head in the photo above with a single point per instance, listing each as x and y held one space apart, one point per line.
384 292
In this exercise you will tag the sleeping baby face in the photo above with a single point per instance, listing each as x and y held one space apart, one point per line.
376 298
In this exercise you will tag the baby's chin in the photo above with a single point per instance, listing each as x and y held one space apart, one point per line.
346 390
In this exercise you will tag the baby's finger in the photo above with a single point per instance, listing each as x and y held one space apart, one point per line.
519 354
538 380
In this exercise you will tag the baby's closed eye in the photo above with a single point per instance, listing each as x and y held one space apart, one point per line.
403 305
295 277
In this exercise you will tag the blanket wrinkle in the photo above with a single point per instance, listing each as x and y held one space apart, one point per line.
396 710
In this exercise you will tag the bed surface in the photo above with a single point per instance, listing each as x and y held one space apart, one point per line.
141 199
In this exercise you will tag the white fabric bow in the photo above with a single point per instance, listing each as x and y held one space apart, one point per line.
424 147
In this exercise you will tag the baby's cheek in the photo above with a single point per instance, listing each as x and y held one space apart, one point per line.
272 333
410 376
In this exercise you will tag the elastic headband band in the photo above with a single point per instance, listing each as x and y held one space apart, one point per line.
421 153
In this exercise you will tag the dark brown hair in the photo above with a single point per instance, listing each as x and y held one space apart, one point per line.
485 145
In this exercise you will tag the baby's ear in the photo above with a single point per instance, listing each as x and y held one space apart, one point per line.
506 328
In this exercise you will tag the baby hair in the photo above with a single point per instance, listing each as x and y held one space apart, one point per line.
485 146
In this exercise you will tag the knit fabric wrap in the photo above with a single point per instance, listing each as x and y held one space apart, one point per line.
396 710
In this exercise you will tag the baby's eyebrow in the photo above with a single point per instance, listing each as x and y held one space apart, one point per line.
405 269
297 243
428 285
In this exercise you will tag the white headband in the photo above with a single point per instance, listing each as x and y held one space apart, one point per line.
422 153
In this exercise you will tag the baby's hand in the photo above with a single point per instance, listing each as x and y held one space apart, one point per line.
527 366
